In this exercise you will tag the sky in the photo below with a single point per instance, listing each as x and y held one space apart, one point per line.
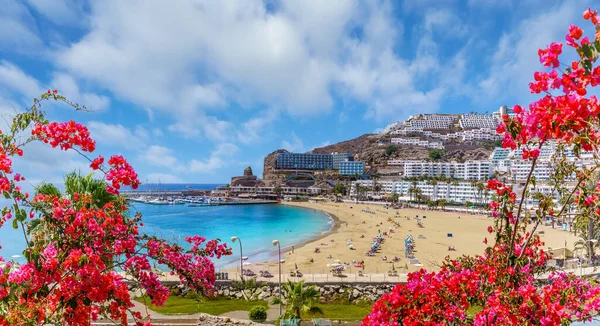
195 91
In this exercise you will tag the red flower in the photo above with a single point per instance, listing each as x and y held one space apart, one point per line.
97 162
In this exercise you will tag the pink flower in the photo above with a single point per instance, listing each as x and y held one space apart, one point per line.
591 199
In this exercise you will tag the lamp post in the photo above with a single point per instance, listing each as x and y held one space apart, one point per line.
234 239
276 243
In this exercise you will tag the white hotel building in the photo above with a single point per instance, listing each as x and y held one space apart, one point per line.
462 193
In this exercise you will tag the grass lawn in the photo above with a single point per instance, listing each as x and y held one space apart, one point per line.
178 305
345 312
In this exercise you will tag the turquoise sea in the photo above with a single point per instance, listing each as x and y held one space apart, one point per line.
256 225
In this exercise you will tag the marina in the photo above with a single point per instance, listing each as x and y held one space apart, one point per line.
193 201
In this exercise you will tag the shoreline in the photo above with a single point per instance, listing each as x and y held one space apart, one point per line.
334 223
356 224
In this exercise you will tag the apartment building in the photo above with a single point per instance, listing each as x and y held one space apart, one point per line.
414 141
471 170
477 121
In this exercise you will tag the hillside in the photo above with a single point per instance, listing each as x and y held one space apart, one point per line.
367 148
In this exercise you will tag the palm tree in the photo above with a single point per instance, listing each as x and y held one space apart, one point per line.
299 299
442 203
434 183
76 183
413 190
395 197
278 190
376 186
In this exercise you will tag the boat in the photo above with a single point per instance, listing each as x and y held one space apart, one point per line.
157 201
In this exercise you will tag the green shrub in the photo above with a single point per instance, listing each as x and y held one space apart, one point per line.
258 314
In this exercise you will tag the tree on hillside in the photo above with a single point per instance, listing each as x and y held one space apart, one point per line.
339 189
278 190
436 154
391 149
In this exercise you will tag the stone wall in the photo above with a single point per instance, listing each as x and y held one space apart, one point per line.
209 320
359 292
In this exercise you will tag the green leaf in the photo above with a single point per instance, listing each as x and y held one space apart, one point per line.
15 224
587 65
588 50
597 43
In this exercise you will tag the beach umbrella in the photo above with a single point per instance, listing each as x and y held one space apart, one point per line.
16 256
351 246
247 264
245 258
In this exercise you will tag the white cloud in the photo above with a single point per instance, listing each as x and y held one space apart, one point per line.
292 57
60 12
116 135
294 145
445 22
253 130
515 59
18 29
67 86
159 155
14 79
218 159
163 178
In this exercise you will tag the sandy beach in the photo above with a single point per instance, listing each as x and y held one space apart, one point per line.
432 241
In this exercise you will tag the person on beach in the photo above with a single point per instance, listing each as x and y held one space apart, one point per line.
292 249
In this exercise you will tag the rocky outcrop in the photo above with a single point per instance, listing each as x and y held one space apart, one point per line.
272 176
246 180
210 320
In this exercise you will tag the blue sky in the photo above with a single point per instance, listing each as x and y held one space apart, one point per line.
194 91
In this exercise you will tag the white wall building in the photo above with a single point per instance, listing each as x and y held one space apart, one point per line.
413 141
470 121
470 170
462 193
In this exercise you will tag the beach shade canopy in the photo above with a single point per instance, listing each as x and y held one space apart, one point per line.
247 263
334 265
336 261
16 256
561 253
351 245
245 258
